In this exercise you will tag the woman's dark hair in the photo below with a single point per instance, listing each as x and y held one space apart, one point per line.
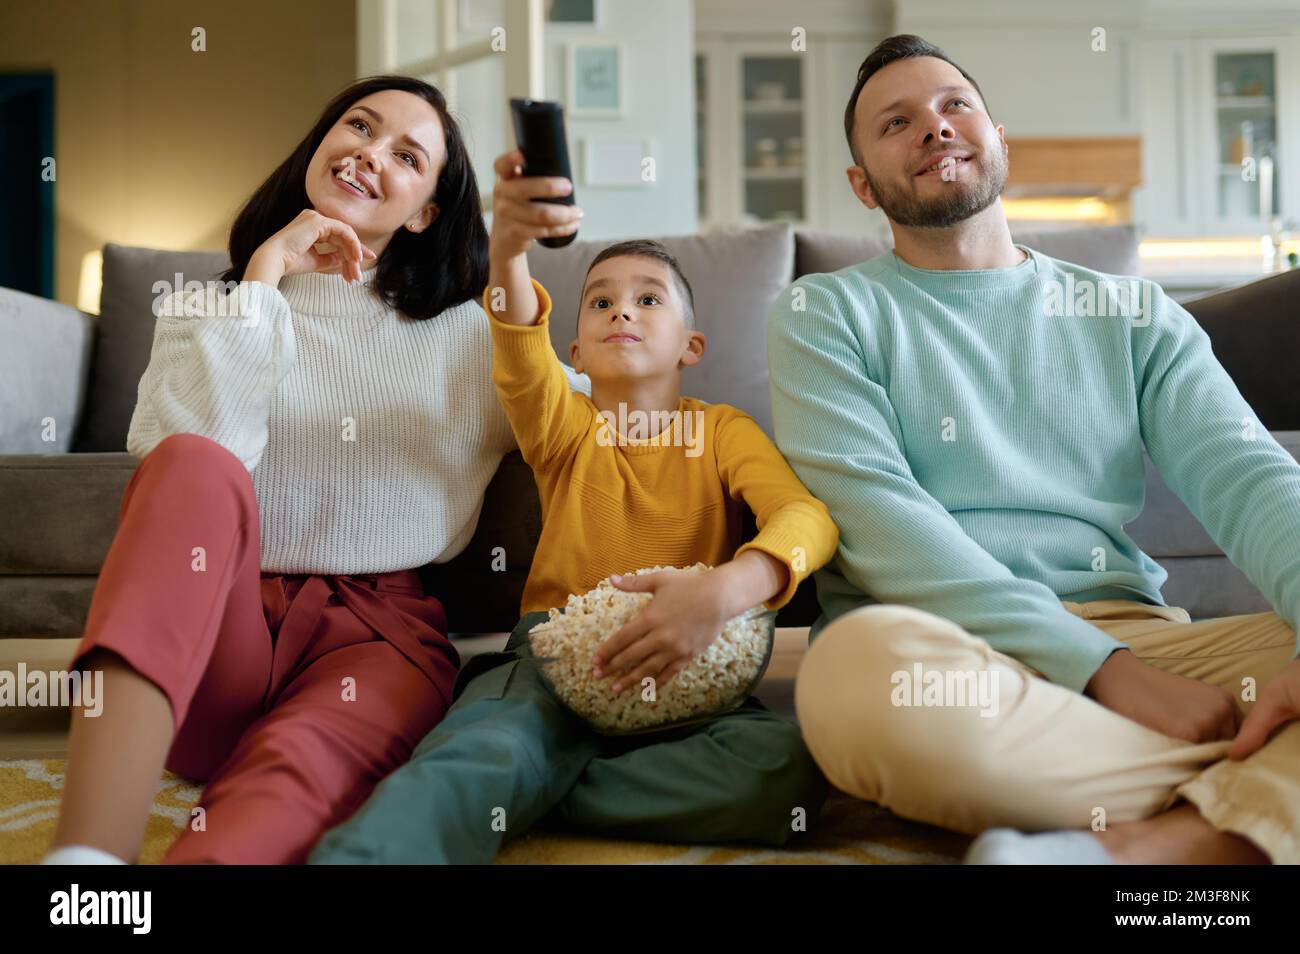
419 273
904 46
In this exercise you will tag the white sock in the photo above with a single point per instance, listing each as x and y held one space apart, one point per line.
80 855
1005 846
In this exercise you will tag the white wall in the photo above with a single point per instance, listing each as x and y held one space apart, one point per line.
834 73
658 90
1035 60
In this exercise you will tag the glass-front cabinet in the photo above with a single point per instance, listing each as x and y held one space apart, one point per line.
772 111
1221 134
701 137
752 109
1249 162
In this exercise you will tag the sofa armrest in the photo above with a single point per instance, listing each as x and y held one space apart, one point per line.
1254 330
44 363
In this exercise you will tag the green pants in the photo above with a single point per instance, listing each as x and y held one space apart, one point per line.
508 754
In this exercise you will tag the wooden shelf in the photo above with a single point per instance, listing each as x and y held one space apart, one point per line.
1244 102
773 106
762 174
1105 167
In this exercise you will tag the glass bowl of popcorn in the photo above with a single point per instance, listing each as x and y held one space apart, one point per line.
718 680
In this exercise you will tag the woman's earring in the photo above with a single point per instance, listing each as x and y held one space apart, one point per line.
410 226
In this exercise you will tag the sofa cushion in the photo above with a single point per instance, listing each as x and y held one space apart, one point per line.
1255 332
1112 249
44 606
1166 528
482 586
1201 579
43 369
125 333
734 275
60 511
1210 587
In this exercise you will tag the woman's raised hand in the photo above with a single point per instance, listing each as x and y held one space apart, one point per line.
293 250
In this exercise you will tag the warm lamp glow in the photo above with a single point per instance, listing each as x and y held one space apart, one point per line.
1211 248
92 278
1086 209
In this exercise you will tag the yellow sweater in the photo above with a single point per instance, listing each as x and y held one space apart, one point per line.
614 504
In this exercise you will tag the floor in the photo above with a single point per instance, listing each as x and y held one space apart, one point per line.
850 831
43 733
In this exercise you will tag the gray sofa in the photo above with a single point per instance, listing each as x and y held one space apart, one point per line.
68 385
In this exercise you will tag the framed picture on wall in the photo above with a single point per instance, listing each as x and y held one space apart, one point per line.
615 162
594 79
576 13
482 15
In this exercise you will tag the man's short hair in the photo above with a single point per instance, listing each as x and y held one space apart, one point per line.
649 248
904 46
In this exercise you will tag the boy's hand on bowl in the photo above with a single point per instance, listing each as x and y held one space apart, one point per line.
685 616
518 221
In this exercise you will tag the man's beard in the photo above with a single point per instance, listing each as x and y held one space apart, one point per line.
959 201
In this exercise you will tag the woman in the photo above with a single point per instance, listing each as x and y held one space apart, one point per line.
308 440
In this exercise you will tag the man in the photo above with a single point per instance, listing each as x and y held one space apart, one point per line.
981 450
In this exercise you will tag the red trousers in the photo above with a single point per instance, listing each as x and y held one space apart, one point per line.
293 695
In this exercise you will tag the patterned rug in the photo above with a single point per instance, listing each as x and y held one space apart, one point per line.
850 832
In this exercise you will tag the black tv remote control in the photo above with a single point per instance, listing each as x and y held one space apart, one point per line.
539 131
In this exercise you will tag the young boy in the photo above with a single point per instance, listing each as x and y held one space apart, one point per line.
508 752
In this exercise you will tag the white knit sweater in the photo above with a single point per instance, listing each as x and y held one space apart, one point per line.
370 436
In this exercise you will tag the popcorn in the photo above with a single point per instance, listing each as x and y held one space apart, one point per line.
718 679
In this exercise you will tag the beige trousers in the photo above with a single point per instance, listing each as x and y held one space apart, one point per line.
988 742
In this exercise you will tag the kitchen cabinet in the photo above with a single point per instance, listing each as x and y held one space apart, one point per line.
1222 123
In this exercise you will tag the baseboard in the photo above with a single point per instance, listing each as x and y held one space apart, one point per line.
54 652
40 732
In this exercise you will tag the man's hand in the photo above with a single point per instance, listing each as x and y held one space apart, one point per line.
1278 704
1173 705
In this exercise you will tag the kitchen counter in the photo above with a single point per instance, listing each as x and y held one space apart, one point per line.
1188 268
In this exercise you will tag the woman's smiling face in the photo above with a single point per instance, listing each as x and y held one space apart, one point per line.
391 145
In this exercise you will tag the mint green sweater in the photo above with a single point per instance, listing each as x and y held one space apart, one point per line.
982 452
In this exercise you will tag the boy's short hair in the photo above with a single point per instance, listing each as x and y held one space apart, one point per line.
649 248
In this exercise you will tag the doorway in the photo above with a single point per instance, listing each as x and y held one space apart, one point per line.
27 168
